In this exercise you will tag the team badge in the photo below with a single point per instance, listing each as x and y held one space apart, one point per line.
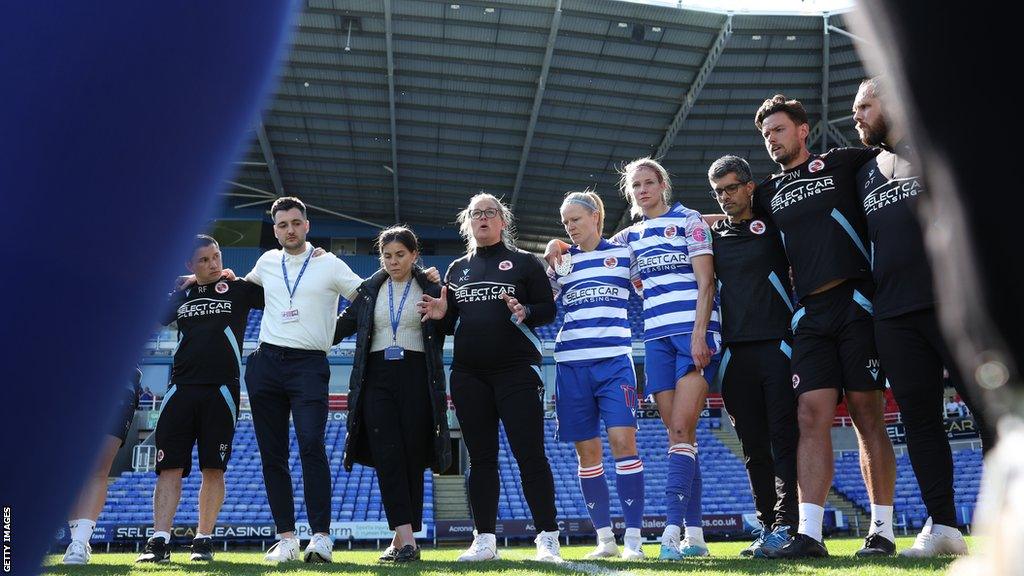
564 267
670 231
796 380
221 287
816 165
505 265
611 262
159 455
698 234
757 227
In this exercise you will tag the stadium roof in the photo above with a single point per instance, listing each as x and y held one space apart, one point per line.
400 110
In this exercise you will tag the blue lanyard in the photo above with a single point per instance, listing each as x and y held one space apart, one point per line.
284 270
391 303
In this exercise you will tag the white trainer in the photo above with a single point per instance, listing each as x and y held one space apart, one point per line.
77 553
285 550
633 549
484 547
548 549
930 543
605 549
318 551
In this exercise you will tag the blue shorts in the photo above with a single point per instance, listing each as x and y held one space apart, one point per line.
668 359
586 391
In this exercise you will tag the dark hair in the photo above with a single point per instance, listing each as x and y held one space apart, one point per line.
286 203
730 165
398 234
778 103
202 241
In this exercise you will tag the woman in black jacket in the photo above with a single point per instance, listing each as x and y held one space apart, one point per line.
494 298
397 405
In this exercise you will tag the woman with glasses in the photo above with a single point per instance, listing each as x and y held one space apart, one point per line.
672 259
493 298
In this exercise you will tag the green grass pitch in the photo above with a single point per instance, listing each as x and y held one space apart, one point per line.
440 562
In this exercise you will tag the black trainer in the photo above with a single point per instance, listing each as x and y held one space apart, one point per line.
801 546
876 545
389 554
202 549
157 550
408 553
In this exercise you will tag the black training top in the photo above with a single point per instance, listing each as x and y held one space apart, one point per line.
486 340
211 326
816 207
753 280
889 188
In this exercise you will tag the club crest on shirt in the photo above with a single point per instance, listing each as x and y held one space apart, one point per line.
670 231
505 265
611 262
159 455
757 227
796 380
221 287
816 165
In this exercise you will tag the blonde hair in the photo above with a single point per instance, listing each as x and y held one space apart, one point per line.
589 200
466 226
627 173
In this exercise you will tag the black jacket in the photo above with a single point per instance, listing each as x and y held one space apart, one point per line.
358 317
486 340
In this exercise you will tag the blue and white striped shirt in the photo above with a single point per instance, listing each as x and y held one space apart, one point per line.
661 249
595 295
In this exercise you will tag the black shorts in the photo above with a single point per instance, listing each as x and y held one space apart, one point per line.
192 413
125 414
834 341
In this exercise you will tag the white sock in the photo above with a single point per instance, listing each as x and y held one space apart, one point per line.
165 535
81 529
695 535
605 533
811 516
670 536
632 535
881 521
198 535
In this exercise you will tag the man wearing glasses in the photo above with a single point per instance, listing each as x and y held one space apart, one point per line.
753 285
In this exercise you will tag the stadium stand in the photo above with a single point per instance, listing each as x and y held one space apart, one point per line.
355 495
908 505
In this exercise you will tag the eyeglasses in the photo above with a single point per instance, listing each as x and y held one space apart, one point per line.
490 213
727 190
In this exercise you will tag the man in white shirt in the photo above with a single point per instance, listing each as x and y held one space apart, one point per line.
289 374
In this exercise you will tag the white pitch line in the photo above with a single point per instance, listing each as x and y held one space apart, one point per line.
582 567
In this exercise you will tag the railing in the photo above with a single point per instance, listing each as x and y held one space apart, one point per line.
144 457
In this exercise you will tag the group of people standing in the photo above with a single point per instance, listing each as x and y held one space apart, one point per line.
813 287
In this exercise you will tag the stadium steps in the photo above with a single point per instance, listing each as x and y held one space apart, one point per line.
450 501
855 516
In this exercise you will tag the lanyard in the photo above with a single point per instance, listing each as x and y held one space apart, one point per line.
284 270
391 303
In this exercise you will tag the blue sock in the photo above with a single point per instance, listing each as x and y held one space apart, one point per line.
678 482
693 504
629 479
595 495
